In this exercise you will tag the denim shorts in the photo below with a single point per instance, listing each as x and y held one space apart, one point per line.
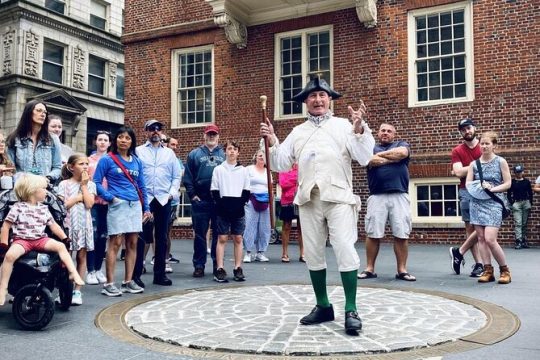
235 226
124 217
464 203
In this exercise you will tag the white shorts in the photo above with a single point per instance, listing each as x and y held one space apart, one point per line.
393 207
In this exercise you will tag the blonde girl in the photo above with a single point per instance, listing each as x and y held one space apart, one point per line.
28 219
486 213
78 193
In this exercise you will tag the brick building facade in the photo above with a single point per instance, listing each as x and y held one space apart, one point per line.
419 64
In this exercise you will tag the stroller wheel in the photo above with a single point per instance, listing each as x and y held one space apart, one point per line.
33 307
274 237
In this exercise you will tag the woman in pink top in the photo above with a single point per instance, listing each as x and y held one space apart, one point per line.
94 259
288 181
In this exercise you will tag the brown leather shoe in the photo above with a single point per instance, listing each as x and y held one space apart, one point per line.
505 278
487 275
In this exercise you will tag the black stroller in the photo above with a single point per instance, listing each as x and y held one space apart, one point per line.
36 275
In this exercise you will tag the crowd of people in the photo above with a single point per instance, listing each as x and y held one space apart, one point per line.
129 194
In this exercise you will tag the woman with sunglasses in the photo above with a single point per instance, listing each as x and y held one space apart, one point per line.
31 147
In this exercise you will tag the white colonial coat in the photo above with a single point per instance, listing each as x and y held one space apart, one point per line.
324 153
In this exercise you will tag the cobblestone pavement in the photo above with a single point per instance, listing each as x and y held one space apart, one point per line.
264 320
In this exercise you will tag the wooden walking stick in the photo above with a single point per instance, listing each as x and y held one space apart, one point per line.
267 159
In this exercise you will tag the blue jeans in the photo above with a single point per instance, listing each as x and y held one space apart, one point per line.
94 259
203 214
157 229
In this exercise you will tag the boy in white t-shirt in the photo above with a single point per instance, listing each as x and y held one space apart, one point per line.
230 191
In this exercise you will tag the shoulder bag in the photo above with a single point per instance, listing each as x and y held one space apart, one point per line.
505 211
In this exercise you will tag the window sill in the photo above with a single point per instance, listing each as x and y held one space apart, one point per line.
445 225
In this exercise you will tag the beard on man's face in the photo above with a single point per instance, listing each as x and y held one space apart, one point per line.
469 136
155 138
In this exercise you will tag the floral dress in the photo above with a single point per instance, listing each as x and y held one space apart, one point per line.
488 212
78 219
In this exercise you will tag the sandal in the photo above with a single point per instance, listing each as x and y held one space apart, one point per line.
405 276
285 259
301 259
367 275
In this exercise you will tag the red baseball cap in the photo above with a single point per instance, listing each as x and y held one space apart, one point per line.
211 128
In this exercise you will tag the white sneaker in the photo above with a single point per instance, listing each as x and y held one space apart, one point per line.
100 276
168 269
77 298
260 257
247 258
91 278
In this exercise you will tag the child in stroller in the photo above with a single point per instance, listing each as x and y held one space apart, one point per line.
28 219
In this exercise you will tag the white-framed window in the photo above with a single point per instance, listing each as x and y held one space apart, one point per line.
53 62
441 55
435 200
58 6
192 86
300 56
183 213
120 77
98 14
96 75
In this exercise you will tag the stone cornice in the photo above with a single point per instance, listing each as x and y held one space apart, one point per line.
62 24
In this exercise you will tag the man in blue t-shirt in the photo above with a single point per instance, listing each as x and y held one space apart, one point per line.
388 180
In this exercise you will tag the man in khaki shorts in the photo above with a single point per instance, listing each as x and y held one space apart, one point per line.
388 180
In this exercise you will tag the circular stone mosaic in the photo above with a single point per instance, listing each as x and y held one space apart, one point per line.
264 320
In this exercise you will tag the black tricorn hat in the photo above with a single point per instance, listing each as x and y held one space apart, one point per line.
313 85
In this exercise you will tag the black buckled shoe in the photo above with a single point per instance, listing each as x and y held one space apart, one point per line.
163 281
353 323
318 315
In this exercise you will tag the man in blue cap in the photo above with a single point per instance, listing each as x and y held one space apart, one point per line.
520 196
323 147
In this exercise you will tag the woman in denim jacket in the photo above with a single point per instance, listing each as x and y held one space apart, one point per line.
31 147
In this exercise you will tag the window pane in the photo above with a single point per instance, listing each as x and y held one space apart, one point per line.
434 65
434 93
421 22
421 37
97 22
436 192
422 209
434 79
446 47
446 19
460 91
460 76
459 31
459 46
459 62
422 192
433 35
422 95
450 208
458 16
422 80
446 63
52 73
447 77
436 208
120 82
447 92
421 66
53 53
98 9
95 85
96 66
450 192
433 21
55 5
421 51
433 49
446 33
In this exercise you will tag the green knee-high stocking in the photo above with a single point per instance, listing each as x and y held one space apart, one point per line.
349 281
318 281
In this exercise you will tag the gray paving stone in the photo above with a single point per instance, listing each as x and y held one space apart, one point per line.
236 320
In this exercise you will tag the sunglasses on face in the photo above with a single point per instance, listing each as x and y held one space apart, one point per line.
154 128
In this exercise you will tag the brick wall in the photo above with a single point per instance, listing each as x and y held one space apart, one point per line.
368 63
